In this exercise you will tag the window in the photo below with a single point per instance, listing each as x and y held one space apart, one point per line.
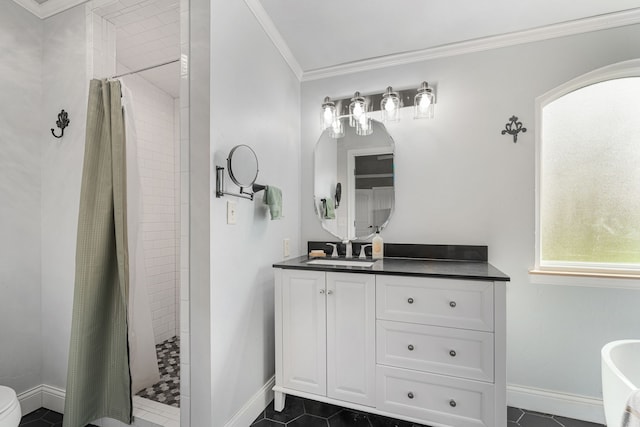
588 170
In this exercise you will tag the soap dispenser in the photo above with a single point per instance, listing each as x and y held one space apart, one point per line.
377 250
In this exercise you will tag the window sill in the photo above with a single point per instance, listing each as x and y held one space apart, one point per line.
586 279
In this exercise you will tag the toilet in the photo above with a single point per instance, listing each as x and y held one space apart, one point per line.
10 413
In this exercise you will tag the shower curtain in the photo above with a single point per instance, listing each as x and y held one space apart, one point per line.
112 351
98 377
142 350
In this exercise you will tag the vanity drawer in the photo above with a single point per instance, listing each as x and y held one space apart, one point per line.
457 352
463 304
436 398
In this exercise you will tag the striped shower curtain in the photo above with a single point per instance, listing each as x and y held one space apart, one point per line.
98 378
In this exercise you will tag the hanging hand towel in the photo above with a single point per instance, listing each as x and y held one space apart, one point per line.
329 209
631 416
273 198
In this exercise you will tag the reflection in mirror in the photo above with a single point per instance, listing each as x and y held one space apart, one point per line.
360 168
243 166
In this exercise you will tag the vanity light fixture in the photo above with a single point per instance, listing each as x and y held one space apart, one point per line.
390 106
424 102
389 103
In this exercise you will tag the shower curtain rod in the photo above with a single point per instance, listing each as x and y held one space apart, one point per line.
145 69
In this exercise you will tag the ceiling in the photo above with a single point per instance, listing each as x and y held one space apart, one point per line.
327 33
316 37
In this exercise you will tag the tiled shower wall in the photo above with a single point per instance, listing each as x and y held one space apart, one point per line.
157 157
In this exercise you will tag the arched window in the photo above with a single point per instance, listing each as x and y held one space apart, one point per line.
588 173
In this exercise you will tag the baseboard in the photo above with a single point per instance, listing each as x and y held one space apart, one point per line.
250 411
53 398
30 400
553 402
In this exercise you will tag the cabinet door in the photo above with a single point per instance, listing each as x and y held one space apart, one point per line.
303 331
351 337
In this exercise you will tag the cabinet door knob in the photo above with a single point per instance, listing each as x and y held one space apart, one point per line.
452 304
410 300
453 403
410 395
452 353
329 292
322 291
410 347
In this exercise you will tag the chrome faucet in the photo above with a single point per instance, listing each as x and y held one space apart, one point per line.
348 248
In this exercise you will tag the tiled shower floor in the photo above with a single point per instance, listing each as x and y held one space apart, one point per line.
167 390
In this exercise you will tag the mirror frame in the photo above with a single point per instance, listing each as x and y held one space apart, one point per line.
230 169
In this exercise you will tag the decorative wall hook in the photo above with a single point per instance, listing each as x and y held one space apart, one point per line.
513 128
63 122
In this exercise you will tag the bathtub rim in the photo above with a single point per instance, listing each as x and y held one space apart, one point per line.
605 354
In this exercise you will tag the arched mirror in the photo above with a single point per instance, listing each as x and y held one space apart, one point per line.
243 166
354 181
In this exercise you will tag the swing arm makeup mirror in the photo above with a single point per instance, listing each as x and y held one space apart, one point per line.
242 165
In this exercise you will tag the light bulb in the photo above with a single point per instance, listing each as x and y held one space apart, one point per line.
424 102
328 114
328 117
357 110
389 106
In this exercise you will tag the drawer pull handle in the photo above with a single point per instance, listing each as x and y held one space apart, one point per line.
452 304
410 347
410 300
452 353
322 291
453 403
410 395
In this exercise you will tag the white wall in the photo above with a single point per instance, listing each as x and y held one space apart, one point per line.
20 151
154 120
65 79
460 181
255 101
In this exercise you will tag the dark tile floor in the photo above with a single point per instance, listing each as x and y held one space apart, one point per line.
299 412
43 418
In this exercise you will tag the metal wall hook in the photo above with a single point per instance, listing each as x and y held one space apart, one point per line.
62 122
513 128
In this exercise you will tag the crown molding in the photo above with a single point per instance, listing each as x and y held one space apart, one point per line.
267 24
580 26
48 8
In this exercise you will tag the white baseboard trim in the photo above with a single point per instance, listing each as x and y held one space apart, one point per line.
556 403
30 400
53 398
254 406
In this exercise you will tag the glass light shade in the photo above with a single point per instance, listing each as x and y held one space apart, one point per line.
329 114
336 130
364 126
390 106
424 103
357 108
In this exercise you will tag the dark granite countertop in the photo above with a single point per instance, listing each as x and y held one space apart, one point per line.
453 269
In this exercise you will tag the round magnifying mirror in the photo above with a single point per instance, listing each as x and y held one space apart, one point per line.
243 166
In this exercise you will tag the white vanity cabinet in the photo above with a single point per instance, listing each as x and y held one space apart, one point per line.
425 349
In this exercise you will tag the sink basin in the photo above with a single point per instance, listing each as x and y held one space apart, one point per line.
342 262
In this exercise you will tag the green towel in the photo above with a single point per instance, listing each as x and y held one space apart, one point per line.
329 209
273 198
